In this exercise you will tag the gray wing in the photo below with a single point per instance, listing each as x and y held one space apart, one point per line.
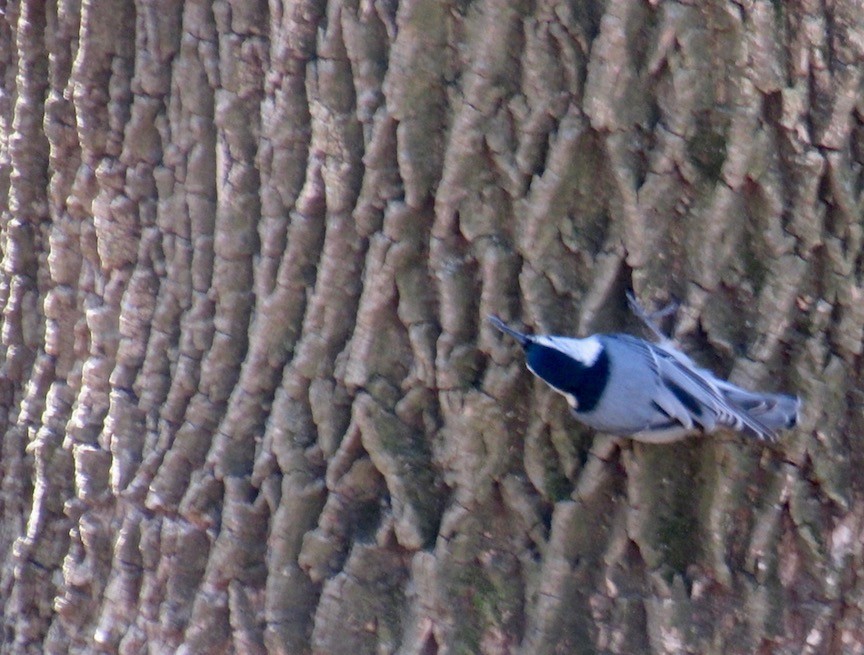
670 412
693 396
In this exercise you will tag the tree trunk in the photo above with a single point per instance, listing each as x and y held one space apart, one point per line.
251 402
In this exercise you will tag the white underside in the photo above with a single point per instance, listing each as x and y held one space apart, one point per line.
662 436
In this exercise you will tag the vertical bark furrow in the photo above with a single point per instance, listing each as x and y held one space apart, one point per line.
31 588
101 77
415 94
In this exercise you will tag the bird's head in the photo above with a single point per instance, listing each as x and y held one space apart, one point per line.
576 368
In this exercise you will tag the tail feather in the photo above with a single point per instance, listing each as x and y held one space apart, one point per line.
751 425
779 411
772 411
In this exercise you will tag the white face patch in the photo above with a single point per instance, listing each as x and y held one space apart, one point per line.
585 351
571 399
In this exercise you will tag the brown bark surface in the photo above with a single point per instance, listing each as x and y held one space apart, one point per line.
248 399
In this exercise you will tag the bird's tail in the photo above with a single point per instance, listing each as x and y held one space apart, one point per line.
523 339
773 411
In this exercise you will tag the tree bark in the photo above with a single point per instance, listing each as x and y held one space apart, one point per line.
249 398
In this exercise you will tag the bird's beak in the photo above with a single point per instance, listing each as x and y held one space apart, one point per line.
523 339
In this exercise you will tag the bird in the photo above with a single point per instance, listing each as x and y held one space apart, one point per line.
651 392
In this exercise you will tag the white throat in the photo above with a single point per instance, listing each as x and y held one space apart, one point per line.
585 350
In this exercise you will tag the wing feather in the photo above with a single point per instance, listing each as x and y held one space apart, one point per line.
677 371
671 408
692 395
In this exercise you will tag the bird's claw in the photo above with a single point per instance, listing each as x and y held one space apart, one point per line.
650 319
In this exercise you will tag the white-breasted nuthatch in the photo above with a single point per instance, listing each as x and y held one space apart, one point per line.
651 392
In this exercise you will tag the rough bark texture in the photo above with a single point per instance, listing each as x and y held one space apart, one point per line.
248 398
